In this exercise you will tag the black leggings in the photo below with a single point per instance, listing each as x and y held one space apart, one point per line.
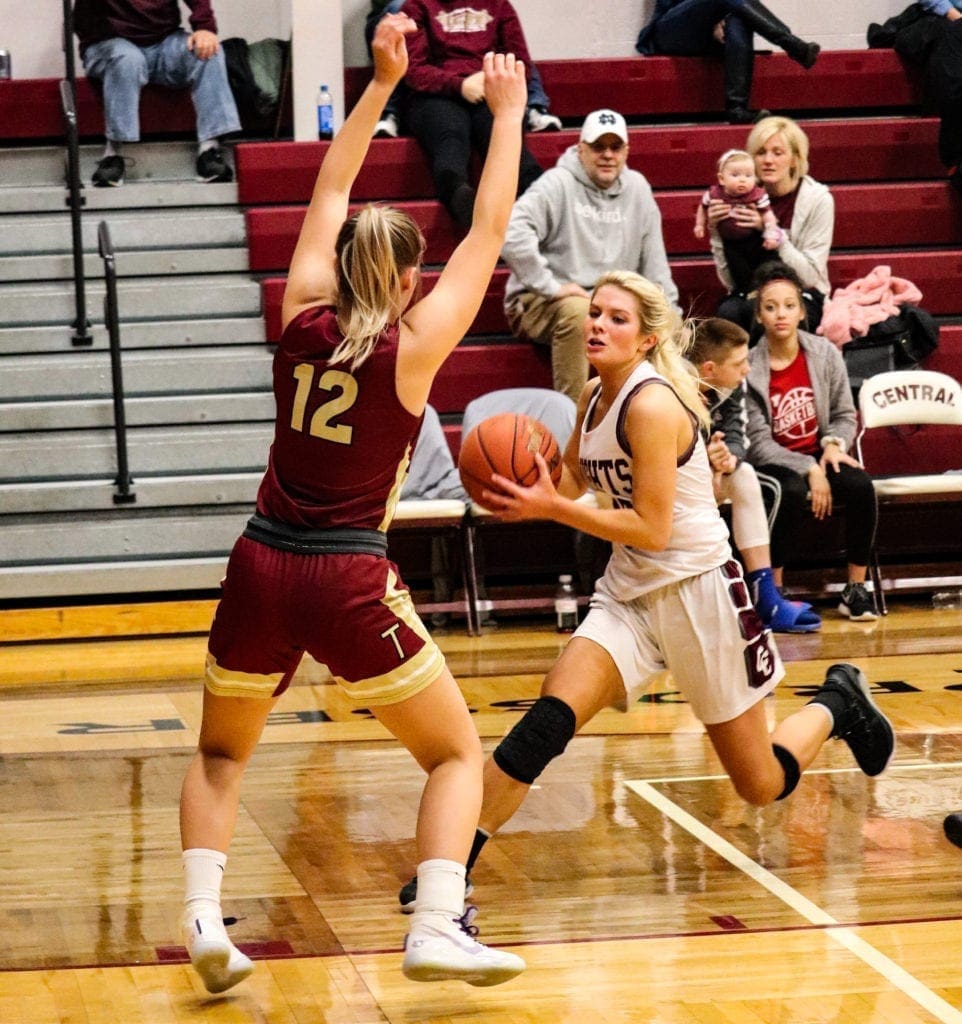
787 501
448 128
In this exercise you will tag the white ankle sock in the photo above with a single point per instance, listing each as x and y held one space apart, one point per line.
112 148
203 874
207 144
440 887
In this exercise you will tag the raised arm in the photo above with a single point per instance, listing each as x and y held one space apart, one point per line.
311 280
432 327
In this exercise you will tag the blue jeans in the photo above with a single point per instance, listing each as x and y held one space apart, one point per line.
124 68
687 30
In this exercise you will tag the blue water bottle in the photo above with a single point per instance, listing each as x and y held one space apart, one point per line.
325 114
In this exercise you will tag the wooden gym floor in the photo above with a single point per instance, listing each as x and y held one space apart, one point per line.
634 881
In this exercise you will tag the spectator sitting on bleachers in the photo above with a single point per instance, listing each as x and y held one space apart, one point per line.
537 117
929 34
745 248
696 28
585 215
445 90
801 423
805 211
126 45
719 352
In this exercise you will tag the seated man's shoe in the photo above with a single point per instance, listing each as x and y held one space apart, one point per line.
387 127
742 115
212 166
109 172
539 120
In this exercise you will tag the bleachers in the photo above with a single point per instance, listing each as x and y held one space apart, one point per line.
200 434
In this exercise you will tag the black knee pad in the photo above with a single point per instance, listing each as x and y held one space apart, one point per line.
539 737
790 767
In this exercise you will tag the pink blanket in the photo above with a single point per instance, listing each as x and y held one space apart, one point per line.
852 310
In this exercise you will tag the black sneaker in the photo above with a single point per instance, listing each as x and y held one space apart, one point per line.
110 171
953 828
212 165
862 726
857 603
408 896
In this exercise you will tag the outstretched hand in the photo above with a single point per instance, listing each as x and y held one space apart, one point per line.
505 85
389 49
512 502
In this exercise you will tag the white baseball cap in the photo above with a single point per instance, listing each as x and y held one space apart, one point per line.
603 122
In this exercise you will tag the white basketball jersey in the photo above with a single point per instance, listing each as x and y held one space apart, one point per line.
699 537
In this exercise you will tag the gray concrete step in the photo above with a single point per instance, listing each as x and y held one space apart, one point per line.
149 263
120 534
150 162
129 230
19 498
95 579
167 451
83 374
171 334
138 298
167 410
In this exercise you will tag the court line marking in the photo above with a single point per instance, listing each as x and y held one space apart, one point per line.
867 953
913 766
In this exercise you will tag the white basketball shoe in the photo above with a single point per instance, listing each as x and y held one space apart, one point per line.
439 948
220 964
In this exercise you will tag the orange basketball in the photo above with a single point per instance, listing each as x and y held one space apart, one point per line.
506 444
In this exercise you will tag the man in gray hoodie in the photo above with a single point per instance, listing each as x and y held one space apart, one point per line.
586 215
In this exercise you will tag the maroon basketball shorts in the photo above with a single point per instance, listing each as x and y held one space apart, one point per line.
351 612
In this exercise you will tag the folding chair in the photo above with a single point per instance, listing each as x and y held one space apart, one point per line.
433 500
910 441
557 412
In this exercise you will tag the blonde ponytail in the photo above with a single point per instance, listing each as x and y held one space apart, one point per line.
373 249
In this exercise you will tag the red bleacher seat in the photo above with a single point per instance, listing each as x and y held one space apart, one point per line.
676 156
916 214
30 109
690 85
935 273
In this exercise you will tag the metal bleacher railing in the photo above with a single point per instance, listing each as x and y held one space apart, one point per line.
75 198
123 495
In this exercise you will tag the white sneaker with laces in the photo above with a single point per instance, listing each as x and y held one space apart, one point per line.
542 121
220 964
386 128
439 948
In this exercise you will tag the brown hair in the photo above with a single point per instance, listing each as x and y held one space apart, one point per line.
373 249
713 339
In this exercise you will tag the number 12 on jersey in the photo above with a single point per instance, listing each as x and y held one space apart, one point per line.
343 389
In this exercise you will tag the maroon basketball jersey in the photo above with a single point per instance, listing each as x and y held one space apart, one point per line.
342 440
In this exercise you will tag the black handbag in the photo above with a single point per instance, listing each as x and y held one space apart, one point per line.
900 342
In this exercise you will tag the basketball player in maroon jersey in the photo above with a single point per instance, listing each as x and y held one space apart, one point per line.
351 379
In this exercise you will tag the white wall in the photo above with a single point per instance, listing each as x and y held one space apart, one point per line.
555 28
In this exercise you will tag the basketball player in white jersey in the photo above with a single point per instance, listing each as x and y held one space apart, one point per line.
671 596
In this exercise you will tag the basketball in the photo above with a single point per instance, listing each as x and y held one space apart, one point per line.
506 444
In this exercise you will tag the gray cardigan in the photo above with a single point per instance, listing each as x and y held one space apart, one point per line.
834 407
808 241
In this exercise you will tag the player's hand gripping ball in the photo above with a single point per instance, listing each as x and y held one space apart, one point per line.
506 444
